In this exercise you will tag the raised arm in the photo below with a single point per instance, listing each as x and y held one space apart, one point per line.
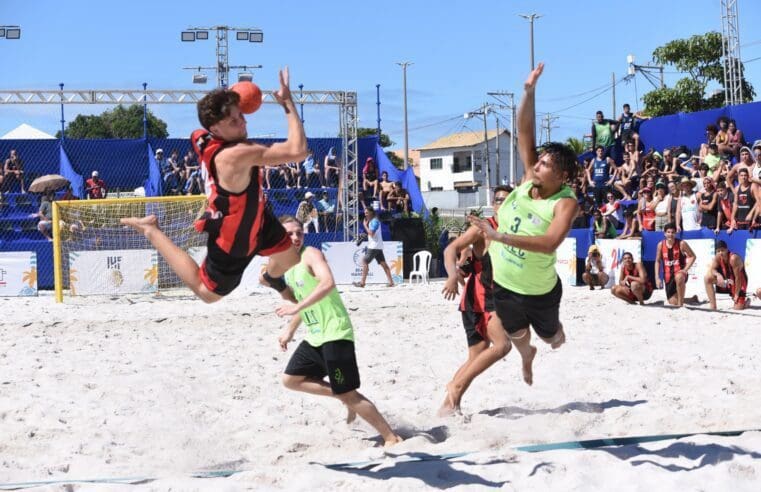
527 123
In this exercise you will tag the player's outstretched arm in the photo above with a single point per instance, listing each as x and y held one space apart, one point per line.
527 123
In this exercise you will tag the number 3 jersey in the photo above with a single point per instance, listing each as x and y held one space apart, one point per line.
515 269
326 320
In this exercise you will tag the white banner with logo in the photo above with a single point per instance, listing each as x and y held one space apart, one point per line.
704 250
612 250
345 260
753 264
566 262
124 271
18 273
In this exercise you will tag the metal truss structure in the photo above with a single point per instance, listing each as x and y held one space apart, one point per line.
347 109
730 41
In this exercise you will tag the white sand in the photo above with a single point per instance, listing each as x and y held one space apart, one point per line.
151 387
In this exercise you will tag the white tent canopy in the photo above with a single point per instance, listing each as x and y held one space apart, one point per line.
26 132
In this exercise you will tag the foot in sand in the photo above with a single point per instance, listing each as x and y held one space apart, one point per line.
142 224
390 441
351 415
451 405
358 284
528 367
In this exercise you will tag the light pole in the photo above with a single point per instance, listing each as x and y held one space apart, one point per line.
63 121
301 105
145 111
10 32
484 112
530 18
252 35
404 66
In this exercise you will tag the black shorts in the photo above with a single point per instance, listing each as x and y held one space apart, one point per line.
671 286
475 326
518 311
374 254
333 359
221 272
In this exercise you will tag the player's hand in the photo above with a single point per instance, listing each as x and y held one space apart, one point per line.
284 338
284 93
287 310
533 77
658 283
487 231
450 290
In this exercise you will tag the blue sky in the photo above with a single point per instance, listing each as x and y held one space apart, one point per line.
460 51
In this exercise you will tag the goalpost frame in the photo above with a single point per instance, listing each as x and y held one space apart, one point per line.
58 260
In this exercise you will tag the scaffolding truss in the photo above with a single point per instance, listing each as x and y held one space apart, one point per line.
730 41
347 115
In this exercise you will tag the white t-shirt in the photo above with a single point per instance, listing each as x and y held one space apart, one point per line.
690 213
376 240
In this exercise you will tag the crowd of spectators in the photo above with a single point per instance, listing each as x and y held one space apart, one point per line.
718 186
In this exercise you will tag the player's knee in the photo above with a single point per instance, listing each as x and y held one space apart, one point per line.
289 381
503 347
350 398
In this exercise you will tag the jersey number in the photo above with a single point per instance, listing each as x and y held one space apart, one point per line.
514 228
310 318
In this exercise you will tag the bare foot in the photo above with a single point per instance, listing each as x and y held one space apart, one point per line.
390 285
358 284
141 224
351 415
528 369
448 408
392 440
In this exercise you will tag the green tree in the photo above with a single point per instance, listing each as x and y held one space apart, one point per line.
384 141
119 122
701 57
576 144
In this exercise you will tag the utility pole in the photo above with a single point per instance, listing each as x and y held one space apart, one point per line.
404 66
511 106
496 150
251 35
377 102
547 122
531 18
613 84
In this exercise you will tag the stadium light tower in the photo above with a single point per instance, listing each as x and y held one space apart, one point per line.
10 32
531 18
251 35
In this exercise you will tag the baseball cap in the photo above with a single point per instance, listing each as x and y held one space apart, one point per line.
756 144
95 174
593 249
683 155
159 151
308 194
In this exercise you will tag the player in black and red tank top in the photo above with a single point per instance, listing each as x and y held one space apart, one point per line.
677 258
483 332
727 273
633 284
745 202
238 224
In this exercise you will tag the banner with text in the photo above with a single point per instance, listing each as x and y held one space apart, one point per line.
704 250
125 271
566 262
345 259
612 250
18 274
753 264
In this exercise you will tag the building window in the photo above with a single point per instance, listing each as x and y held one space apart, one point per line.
437 188
437 163
462 164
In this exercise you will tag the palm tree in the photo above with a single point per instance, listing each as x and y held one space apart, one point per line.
576 144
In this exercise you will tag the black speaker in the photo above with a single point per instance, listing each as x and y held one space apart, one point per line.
410 232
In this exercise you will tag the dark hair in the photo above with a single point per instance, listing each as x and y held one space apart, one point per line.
721 244
670 225
599 147
712 128
721 184
370 210
722 119
563 158
704 167
626 105
743 170
599 112
215 106
507 189
627 253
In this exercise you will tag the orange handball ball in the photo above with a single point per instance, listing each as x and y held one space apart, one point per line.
250 96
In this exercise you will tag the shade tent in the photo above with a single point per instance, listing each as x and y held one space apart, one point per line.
26 132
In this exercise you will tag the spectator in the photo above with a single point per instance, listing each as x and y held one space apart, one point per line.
722 136
45 213
370 176
268 172
600 174
163 164
603 132
754 173
385 188
727 273
294 174
331 168
669 165
403 199
628 125
744 204
602 228
327 211
726 200
633 285
311 172
712 158
594 270
190 164
307 213
736 138
612 211
746 161
687 210
646 208
711 132
673 199
709 205
374 250
631 225
13 172
95 187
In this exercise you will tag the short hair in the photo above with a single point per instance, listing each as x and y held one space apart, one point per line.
670 225
370 210
721 244
704 167
626 105
743 170
285 219
507 189
724 119
721 185
712 128
599 112
599 147
563 158
627 253
215 106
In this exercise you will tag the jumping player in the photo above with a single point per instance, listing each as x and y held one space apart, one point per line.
677 258
727 273
533 221
328 348
633 284
476 305
237 221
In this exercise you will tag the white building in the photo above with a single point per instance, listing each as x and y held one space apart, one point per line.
453 168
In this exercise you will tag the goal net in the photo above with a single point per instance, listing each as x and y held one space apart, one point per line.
93 253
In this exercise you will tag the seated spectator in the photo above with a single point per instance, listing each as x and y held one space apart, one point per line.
331 169
631 225
662 207
633 284
622 178
726 200
602 228
189 164
294 173
95 187
45 213
269 172
13 173
722 136
172 184
370 176
612 211
163 164
327 212
708 201
646 209
727 275
711 132
385 188
712 158
403 200
307 213
669 166
687 210
746 161
594 270
194 185
754 172
736 138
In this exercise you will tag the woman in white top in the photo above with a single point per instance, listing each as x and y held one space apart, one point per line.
687 209
662 207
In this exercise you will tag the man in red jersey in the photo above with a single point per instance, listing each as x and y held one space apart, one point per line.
727 273
237 220
677 258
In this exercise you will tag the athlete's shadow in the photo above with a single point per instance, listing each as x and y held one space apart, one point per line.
429 469
708 454
514 413
434 435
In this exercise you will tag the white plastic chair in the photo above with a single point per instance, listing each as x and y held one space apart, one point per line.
421 263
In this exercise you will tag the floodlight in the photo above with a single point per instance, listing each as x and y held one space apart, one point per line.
12 33
2 32
630 59
256 37
467 116
241 36
188 36
200 78
202 35
245 77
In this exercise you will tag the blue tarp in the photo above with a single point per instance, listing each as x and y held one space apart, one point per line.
407 178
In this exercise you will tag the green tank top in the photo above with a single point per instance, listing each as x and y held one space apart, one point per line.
327 320
603 135
525 272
